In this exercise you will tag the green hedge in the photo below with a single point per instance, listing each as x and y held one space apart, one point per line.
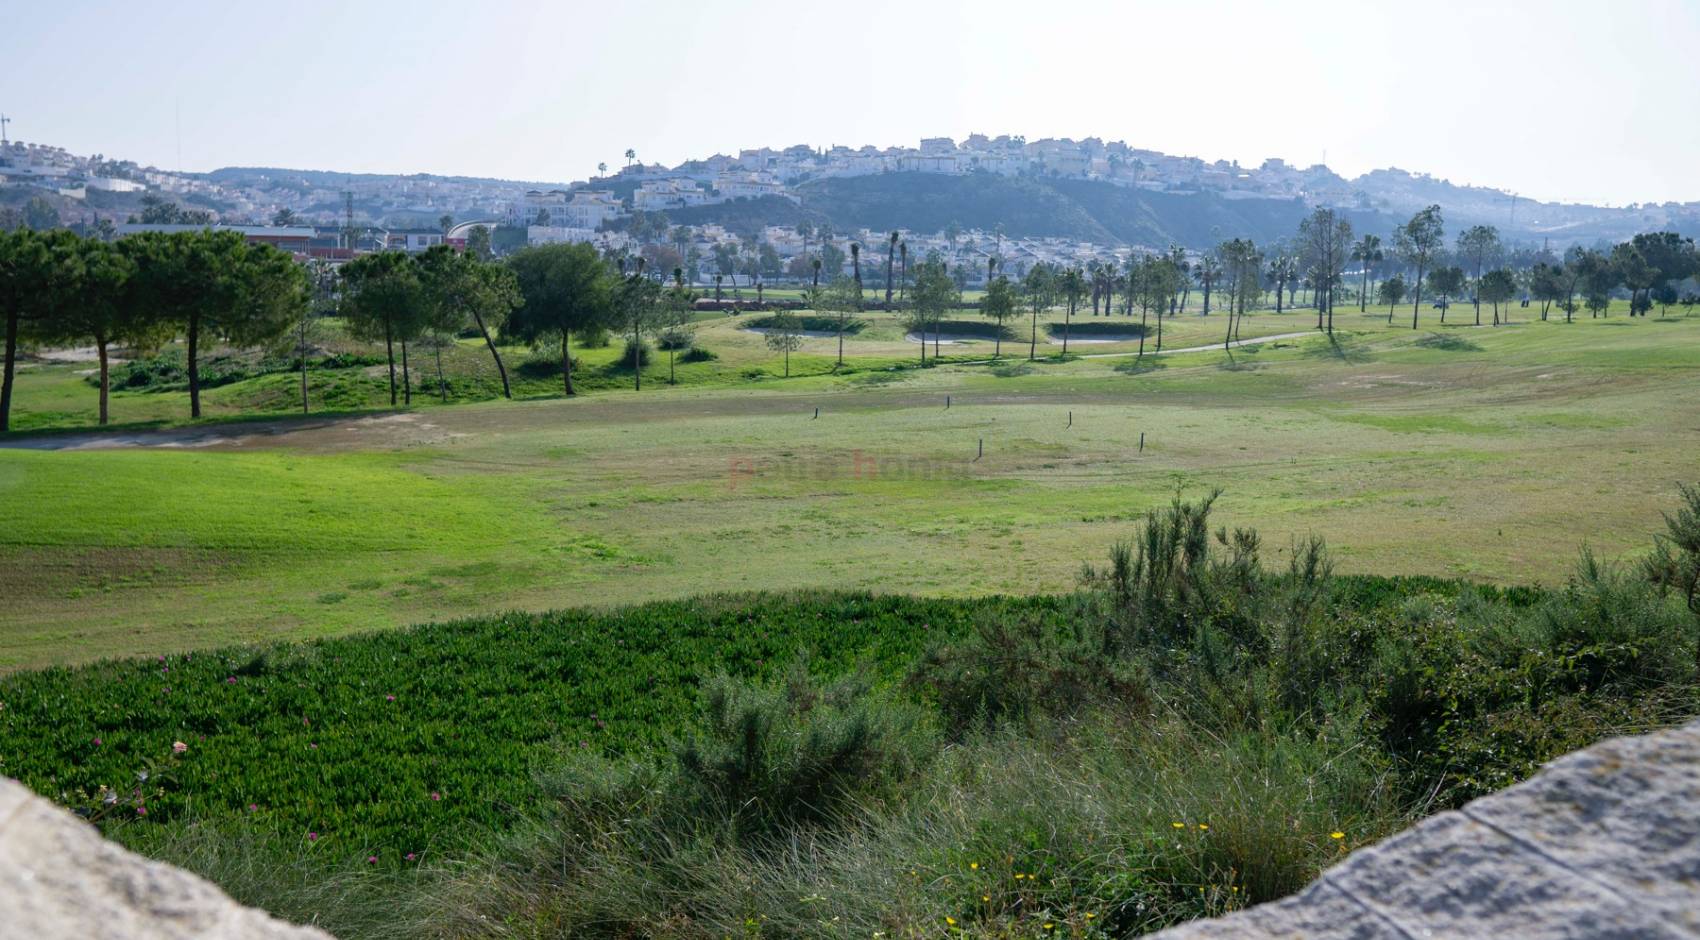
1090 328
809 321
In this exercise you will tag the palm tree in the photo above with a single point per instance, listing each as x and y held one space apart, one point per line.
630 156
1208 272
1367 252
1074 287
1177 256
890 256
903 271
602 169
805 229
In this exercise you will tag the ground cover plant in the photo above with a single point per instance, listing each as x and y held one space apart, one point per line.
860 764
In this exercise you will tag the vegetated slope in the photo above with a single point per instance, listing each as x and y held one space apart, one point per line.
1274 717
929 202
1194 220
1080 210
742 216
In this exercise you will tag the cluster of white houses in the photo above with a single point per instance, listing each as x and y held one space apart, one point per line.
580 212
768 171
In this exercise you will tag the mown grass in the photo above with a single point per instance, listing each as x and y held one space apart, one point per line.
1489 464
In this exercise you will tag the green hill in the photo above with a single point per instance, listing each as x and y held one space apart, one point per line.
1082 210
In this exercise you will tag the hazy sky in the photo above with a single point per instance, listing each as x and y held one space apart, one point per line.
1582 100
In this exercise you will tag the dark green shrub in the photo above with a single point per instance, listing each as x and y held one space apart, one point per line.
543 367
806 321
1023 669
1091 328
698 354
634 348
769 758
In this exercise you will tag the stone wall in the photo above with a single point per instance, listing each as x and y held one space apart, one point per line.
1604 842
60 879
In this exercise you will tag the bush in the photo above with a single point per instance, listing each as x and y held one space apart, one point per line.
637 349
675 339
698 354
544 367
1020 669
771 758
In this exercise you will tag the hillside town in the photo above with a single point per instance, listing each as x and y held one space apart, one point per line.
334 216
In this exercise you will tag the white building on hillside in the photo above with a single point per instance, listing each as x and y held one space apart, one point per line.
589 208
678 193
747 185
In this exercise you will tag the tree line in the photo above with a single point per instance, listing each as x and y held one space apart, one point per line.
145 290
148 289
1311 269
140 291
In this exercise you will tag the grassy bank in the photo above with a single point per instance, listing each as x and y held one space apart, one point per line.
1204 724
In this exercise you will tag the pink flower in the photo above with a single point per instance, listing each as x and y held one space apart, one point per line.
389 698
435 795
312 837
97 742
253 807
411 856
306 722
178 747
312 746
141 811
371 859
231 680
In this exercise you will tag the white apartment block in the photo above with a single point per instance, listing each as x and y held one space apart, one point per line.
589 208
677 193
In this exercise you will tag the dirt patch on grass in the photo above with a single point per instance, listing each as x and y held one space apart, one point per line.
67 571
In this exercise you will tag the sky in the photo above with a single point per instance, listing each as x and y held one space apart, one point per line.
1572 100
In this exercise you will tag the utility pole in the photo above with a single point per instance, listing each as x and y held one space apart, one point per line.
4 120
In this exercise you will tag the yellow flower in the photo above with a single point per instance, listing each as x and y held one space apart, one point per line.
1336 835
1179 825
1019 876
1090 915
950 920
1049 925
974 865
986 898
1203 827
